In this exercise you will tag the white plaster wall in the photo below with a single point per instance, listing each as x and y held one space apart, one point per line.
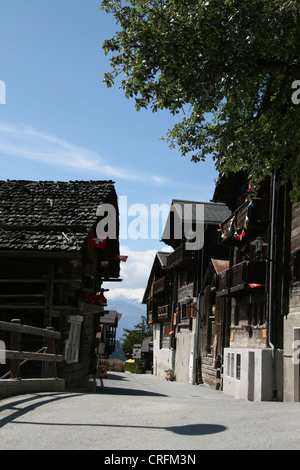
255 381
184 362
163 358
291 367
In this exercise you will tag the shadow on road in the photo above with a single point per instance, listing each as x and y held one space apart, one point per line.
197 429
127 391
18 409
116 377
106 388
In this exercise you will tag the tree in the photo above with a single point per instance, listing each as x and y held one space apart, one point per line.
232 66
131 337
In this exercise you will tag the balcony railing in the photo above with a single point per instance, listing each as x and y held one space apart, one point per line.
245 275
224 280
179 256
161 285
163 312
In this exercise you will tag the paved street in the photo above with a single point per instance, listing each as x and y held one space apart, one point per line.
133 412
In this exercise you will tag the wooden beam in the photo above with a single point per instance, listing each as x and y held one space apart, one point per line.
31 330
32 356
49 295
40 281
20 307
19 281
15 342
22 296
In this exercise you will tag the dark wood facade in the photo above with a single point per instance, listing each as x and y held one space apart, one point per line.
292 320
256 284
50 272
175 283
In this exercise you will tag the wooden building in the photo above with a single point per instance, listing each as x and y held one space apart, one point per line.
291 356
107 333
255 287
174 286
214 326
53 266
158 298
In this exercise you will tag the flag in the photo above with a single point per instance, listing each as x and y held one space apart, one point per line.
171 332
98 242
242 234
85 296
254 285
121 258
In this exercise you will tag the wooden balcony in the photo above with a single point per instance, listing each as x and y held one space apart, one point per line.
163 313
242 276
162 285
179 257
224 281
248 273
251 217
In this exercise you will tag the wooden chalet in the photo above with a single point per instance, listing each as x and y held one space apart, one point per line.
158 298
255 287
107 335
213 334
175 283
291 325
53 267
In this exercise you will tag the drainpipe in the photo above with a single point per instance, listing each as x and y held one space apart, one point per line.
199 316
173 308
197 348
271 271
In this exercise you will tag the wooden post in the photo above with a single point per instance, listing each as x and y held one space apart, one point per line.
15 344
49 295
50 342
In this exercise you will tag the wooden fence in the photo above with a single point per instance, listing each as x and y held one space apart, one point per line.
15 355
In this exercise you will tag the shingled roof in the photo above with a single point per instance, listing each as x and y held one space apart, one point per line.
214 213
50 216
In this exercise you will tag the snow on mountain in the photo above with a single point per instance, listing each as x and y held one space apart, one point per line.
131 310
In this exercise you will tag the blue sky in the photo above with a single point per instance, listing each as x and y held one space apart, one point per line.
61 123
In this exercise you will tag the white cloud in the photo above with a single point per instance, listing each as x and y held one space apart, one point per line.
135 273
32 144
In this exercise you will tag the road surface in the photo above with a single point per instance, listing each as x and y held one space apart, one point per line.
130 412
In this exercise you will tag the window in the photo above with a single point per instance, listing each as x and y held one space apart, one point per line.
238 366
72 347
232 365
228 364
296 266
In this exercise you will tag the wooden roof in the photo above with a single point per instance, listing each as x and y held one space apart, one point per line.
50 216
